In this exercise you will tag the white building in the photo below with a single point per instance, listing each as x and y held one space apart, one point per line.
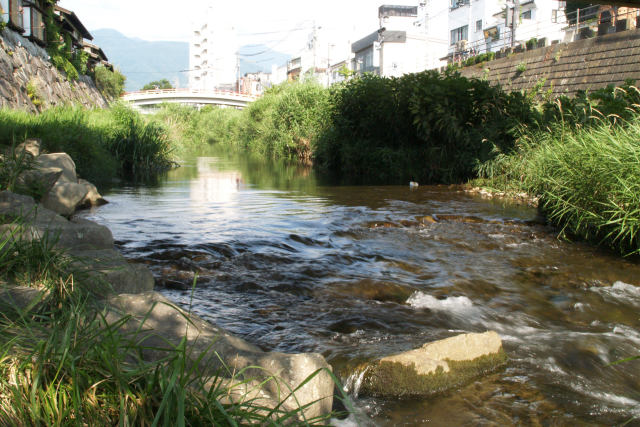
213 52
478 26
410 39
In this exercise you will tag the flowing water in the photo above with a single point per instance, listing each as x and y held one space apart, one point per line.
356 273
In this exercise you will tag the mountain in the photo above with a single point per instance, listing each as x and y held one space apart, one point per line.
258 57
144 61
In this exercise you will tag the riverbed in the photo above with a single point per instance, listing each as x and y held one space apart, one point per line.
355 273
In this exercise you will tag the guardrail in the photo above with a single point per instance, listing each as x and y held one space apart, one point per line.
186 91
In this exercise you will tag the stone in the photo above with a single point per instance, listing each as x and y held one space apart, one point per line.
62 161
93 197
78 233
31 146
20 298
165 325
435 367
14 205
40 180
10 233
65 197
109 268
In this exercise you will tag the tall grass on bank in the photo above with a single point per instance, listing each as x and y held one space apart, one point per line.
103 143
62 363
588 180
281 124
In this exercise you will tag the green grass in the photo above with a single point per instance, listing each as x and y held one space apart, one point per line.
62 363
587 178
103 143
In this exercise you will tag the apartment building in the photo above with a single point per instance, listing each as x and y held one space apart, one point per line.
478 26
213 52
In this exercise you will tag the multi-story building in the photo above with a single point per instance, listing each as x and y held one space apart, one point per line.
478 26
213 53
409 39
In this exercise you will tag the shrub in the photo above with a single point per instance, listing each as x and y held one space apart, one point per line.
109 83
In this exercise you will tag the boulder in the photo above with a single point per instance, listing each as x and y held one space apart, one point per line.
40 180
31 146
65 197
20 298
159 325
79 234
93 197
434 367
109 268
62 161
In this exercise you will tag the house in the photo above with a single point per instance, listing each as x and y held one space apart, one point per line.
480 26
96 56
33 20
255 83
409 39
72 26
12 14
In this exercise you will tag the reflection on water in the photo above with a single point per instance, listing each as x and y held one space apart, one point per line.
357 273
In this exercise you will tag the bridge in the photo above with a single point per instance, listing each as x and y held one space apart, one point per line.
147 99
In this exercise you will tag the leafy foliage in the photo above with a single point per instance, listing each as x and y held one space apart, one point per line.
425 126
158 84
109 83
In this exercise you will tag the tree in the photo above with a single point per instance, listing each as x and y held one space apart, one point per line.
158 84
109 83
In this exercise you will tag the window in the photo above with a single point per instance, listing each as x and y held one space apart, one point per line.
457 3
554 16
460 33
479 25
526 15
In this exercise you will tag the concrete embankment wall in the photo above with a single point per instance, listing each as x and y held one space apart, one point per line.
23 63
587 64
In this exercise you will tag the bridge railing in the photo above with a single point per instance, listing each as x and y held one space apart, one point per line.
187 91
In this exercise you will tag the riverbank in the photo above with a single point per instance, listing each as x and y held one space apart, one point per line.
84 337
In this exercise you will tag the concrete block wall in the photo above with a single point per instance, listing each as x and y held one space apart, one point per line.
587 64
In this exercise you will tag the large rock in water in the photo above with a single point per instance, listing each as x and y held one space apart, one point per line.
159 324
434 367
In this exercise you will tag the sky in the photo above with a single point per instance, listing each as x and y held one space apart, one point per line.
283 25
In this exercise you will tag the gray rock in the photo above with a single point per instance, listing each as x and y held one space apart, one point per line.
62 161
41 180
93 197
434 367
20 298
65 197
165 325
108 271
31 146
10 233
78 233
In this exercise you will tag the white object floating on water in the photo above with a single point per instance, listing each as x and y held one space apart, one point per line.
452 304
413 184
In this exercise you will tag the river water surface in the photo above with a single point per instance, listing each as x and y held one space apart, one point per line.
356 273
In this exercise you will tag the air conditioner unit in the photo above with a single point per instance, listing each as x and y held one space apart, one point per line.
461 45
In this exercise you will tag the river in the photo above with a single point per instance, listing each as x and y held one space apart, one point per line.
356 273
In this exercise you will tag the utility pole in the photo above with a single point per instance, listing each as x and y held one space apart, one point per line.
515 16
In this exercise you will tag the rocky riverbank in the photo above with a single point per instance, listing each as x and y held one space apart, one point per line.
124 290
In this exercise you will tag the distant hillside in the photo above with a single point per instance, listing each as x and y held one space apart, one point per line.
144 61
258 57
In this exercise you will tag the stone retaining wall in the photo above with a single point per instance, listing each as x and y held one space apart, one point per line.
587 64
24 63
